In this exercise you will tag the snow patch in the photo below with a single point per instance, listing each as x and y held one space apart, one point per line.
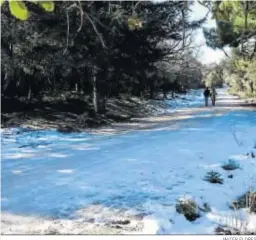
16 171
57 155
18 155
68 171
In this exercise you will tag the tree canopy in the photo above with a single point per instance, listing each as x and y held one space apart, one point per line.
99 48
235 28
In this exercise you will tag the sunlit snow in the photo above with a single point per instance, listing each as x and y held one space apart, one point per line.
49 175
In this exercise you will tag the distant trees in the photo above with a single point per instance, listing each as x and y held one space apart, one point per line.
179 75
99 48
240 74
213 75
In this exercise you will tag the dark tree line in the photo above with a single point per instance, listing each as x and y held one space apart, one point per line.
102 49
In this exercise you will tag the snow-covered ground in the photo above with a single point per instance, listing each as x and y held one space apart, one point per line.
192 99
73 183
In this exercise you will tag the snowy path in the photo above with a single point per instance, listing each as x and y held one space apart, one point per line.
142 169
181 109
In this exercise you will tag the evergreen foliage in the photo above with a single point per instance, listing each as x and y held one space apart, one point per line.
102 49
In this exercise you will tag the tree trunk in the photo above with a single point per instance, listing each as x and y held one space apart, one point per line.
152 93
6 82
10 71
94 92
245 24
103 105
251 87
54 82
165 94
29 90
152 89
246 16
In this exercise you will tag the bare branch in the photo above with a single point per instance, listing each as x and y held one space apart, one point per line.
225 52
67 15
204 4
96 30
81 15
133 10
235 137
74 5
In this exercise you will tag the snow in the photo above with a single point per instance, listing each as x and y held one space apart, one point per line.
48 177
193 98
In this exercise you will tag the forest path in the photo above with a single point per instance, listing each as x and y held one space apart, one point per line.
170 119
130 179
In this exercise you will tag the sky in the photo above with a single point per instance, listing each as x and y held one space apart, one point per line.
206 55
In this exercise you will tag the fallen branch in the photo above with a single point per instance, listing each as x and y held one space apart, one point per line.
235 137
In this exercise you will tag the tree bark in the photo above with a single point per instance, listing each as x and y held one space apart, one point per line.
251 87
245 23
54 82
94 91
29 90
10 70
246 15
152 89
165 94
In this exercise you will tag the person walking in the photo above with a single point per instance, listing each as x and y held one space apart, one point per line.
206 95
213 96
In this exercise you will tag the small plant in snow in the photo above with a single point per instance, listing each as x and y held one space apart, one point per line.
222 230
247 201
188 208
213 177
205 208
231 165
243 207
239 143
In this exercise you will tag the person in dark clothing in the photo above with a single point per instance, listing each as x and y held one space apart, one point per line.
206 95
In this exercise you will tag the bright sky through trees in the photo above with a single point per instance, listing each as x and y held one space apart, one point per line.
206 54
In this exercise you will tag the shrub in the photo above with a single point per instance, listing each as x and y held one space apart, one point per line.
231 165
205 208
225 230
247 200
240 222
188 208
213 177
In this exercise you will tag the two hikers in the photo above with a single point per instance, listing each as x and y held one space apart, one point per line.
212 94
